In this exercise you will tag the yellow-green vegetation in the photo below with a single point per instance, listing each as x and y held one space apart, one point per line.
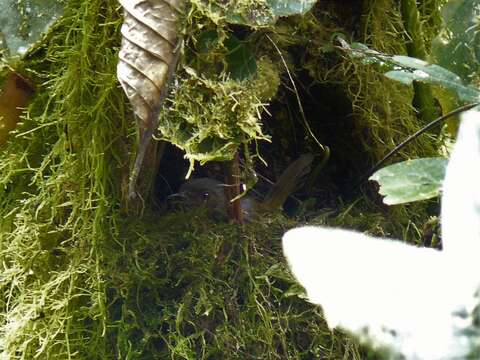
59 188
211 118
382 109
79 279
217 105
212 292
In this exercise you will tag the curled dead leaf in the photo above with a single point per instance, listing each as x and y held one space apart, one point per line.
147 60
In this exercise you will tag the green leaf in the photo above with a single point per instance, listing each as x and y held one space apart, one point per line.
22 23
240 62
407 69
401 76
290 7
457 47
432 75
411 180
409 62
234 53
207 41
419 70
264 14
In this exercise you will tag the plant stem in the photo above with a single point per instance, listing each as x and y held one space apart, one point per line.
423 97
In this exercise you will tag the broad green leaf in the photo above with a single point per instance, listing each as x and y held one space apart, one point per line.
409 62
22 23
290 7
407 69
401 76
443 73
431 74
432 69
232 52
411 180
258 14
457 47
240 62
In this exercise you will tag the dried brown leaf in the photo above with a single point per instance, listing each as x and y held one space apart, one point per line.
147 60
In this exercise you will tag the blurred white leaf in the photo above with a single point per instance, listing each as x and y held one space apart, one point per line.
421 303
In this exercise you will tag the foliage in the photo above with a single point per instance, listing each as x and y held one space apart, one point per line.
239 62
81 280
382 113
411 180
58 191
441 303
217 103
210 118
256 13
406 69
456 47
227 82
23 23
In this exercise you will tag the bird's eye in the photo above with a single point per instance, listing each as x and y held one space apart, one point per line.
205 196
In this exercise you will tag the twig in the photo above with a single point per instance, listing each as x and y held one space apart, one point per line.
412 137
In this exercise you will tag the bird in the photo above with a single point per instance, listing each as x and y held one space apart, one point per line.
209 193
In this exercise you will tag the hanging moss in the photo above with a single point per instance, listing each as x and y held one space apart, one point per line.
211 118
220 94
58 191
81 280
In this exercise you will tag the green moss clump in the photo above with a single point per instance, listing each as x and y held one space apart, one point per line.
210 118
214 292
222 87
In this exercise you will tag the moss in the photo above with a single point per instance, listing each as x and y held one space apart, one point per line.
75 283
181 294
211 112
58 191
80 280
211 118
